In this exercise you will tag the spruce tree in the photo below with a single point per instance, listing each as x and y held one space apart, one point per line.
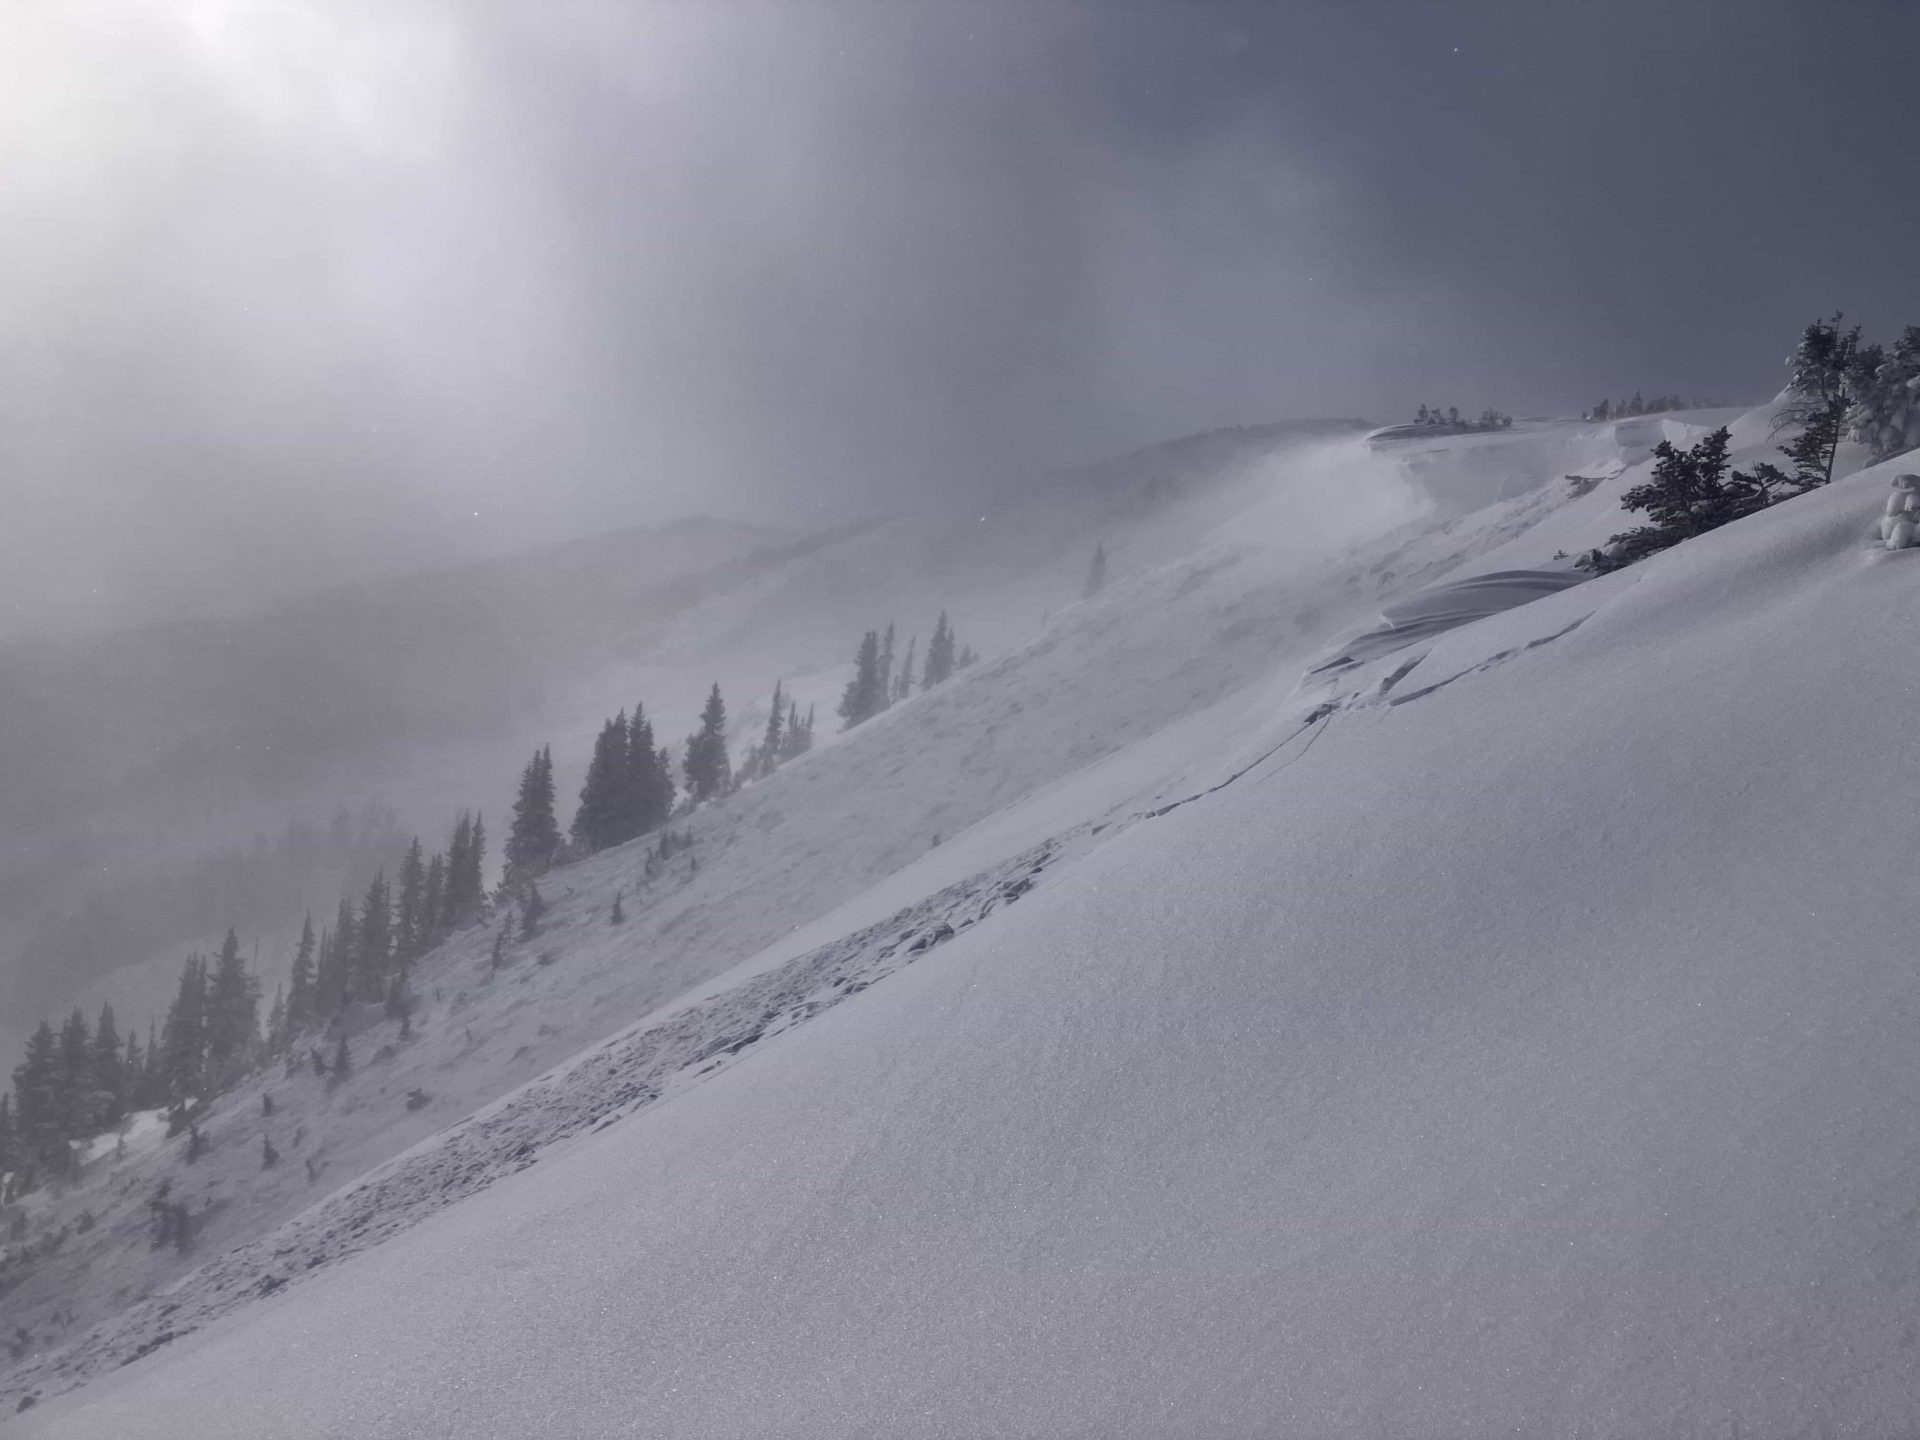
233 1014
433 903
342 1061
277 1023
939 654
373 946
860 701
1097 572
39 1118
465 895
649 779
535 835
300 993
773 739
797 741
531 911
108 1072
618 914
457 852
1690 493
153 1082
708 770
10 1158
183 1039
410 913
884 691
133 1071
77 1099
1823 372
606 797
903 682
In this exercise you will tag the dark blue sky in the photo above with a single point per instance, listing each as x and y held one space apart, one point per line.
306 290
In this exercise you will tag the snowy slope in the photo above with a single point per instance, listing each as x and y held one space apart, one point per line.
1526 1047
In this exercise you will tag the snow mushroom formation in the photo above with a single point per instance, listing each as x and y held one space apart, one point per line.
1902 513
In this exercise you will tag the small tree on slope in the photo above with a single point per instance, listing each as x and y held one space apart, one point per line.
1690 493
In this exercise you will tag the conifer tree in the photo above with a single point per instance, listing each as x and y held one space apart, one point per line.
10 1160
903 682
373 945
860 701
410 913
649 778
885 688
531 911
618 914
183 1039
939 654
606 797
329 977
535 835
967 657
457 851
796 741
300 993
1097 571
1824 368
773 739
133 1071
465 895
39 1121
277 1022
342 1061
153 1085
1690 493
233 1014
708 771
107 1072
77 1100
433 902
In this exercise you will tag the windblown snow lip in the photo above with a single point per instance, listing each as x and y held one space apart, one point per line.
1440 608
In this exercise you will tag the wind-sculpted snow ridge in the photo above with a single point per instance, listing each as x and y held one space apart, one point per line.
616 1079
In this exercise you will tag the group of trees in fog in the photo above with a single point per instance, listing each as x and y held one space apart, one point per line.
1638 405
127 915
1490 418
1838 386
81 1081
879 684
788 735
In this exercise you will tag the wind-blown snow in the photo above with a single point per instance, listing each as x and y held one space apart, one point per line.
1526 1045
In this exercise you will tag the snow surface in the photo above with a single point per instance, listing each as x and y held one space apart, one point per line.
1524 1043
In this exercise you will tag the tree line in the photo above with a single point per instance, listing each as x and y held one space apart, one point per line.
1490 418
1638 405
84 1079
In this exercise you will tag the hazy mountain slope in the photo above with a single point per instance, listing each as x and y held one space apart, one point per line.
1532 1054
1092 712
426 692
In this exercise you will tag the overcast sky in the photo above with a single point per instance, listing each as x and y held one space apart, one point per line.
299 289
